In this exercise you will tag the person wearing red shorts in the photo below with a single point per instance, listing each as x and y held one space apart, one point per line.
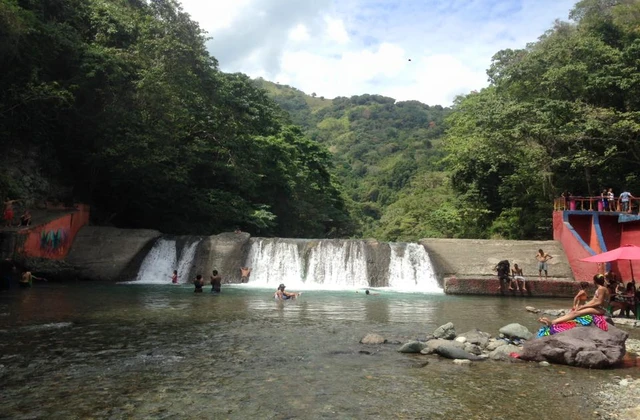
8 214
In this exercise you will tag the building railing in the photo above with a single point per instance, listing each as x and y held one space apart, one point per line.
594 204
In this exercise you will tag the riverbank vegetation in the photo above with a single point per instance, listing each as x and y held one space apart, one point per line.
118 104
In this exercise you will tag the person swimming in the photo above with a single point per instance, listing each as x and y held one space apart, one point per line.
283 295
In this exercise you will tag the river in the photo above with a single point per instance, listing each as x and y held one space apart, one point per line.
94 350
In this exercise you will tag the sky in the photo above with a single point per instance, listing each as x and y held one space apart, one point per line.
425 50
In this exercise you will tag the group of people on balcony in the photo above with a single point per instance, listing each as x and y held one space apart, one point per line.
606 202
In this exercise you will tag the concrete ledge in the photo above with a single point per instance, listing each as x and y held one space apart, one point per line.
491 285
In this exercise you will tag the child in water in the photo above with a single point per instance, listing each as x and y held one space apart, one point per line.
174 278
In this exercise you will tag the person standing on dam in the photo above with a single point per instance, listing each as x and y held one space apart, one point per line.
542 258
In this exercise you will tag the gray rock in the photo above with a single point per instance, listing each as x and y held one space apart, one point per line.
461 339
453 352
446 331
477 337
461 361
473 349
516 331
412 347
494 344
545 364
532 309
588 347
504 352
373 339
432 345
554 312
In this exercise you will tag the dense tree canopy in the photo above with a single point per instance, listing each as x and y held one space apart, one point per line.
560 115
123 101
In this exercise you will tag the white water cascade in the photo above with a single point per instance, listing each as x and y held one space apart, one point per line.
160 262
339 264
410 269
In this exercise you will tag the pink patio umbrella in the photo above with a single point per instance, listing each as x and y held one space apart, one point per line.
625 252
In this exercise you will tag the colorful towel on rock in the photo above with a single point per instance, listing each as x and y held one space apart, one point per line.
598 320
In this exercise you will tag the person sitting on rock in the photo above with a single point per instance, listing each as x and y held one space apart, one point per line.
596 306
581 297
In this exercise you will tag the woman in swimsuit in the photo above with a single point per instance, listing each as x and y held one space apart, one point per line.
596 306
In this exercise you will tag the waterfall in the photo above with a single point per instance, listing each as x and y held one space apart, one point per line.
410 269
274 262
163 258
340 264
335 264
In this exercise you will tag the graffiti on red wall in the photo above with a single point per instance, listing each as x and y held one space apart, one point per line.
54 242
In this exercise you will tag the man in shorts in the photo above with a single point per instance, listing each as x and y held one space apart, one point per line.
542 258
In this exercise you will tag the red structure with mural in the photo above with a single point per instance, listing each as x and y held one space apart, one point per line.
53 239
584 231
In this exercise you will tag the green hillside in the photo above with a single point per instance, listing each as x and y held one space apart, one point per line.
382 149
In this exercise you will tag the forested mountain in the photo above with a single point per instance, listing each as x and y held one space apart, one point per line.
379 145
119 101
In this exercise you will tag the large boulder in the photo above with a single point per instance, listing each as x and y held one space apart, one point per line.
588 347
504 352
516 331
453 352
476 337
432 345
412 347
446 331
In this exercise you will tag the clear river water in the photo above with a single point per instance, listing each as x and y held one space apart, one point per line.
93 350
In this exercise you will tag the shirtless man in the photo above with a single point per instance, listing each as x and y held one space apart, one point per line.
245 272
542 258
27 279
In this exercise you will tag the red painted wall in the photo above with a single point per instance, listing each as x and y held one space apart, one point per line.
573 249
53 239
614 234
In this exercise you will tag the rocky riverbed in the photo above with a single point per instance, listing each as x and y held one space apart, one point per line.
617 399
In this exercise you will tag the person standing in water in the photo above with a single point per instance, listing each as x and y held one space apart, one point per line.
282 295
542 258
216 282
27 279
198 282
245 272
174 277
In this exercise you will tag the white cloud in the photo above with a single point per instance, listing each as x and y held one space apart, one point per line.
336 30
348 47
299 33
